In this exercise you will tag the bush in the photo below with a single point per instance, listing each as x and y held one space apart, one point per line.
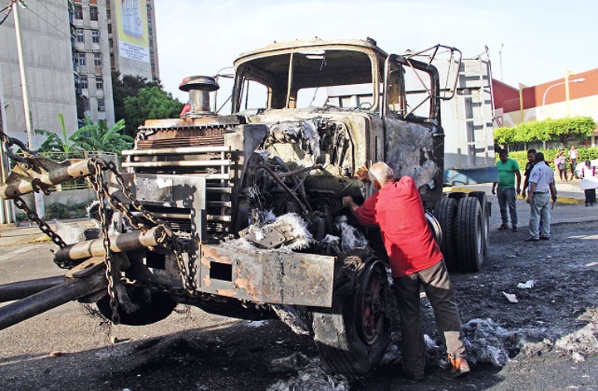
584 154
60 211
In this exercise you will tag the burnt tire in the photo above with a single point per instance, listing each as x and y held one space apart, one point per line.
354 334
483 199
446 213
470 245
143 307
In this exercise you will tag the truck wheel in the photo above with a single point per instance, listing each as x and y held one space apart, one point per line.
446 212
434 225
469 235
481 196
143 307
353 335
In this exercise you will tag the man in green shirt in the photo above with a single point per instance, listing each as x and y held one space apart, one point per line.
508 170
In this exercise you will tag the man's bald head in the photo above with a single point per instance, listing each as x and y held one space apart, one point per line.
381 173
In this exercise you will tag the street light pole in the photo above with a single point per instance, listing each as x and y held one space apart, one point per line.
580 80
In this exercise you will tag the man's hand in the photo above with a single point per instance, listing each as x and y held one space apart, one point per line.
348 200
362 174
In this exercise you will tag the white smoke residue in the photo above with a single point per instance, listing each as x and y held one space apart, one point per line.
351 238
309 376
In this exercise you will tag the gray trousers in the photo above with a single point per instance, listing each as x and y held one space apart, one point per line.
507 198
540 211
437 285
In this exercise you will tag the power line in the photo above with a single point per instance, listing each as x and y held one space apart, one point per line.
8 10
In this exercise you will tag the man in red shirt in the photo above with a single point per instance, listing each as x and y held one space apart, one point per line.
415 259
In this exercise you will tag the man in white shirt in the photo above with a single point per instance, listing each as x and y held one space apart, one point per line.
541 190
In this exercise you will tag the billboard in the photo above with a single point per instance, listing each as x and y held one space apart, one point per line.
133 38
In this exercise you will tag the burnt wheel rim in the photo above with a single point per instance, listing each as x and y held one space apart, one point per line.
371 302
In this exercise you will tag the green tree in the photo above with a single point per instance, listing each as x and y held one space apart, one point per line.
97 137
562 130
151 103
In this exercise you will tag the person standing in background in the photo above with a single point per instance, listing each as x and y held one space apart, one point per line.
588 172
541 190
508 171
531 160
561 163
573 160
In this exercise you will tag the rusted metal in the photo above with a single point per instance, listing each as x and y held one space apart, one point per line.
276 277
290 192
42 174
118 243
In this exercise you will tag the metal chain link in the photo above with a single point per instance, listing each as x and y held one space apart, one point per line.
43 226
98 184
188 271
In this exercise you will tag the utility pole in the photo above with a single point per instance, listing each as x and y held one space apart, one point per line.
38 197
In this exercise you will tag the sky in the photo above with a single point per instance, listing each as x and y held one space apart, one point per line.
530 42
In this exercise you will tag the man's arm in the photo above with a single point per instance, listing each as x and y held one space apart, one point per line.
494 188
552 191
348 201
518 176
532 190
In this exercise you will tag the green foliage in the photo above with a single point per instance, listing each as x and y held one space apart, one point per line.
53 142
69 211
135 104
549 154
563 130
97 137
91 137
151 103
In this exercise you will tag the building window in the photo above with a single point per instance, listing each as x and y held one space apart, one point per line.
101 105
78 11
97 59
109 28
95 36
84 82
81 59
99 83
80 36
86 106
93 13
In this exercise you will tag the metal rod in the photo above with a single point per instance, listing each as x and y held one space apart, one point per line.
18 290
118 243
70 289
68 172
180 163
182 150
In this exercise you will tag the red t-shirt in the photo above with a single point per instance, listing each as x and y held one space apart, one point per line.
398 210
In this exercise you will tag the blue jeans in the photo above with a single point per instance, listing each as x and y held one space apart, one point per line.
507 198
540 210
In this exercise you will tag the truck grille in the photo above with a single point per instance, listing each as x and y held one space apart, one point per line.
194 152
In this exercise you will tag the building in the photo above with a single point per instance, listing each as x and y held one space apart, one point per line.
48 70
91 59
111 35
132 37
571 96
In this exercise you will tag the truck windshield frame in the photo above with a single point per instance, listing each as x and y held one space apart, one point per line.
301 78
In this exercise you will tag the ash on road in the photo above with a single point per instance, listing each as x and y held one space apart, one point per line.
545 341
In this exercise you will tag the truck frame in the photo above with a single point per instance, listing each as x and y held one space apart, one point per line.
241 214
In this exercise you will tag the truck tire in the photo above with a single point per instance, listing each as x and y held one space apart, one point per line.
354 334
146 307
446 212
481 196
470 243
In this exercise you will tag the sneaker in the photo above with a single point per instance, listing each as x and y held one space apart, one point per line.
531 239
544 237
503 227
459 367
515 229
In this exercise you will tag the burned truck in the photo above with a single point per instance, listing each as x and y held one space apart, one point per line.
241 214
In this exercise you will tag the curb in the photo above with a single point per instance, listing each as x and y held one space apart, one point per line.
559 200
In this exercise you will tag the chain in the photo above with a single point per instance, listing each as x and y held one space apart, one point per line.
98 185
188 271
43 226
